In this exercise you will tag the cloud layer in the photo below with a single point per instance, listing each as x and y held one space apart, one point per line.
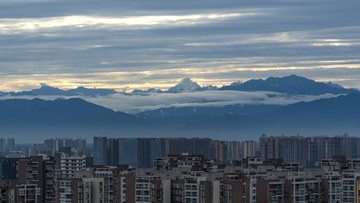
154 44
138 103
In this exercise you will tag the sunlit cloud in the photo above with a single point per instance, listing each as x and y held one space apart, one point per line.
335 44
205 73
296 38
18 25
281 37
127 46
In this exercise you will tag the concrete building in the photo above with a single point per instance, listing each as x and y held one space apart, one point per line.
10 144
196 179
113 150
100 151
39 173
249 148
234 150
66 166
29 193
2 145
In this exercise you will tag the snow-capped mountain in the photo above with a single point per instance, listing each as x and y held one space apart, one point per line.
186 85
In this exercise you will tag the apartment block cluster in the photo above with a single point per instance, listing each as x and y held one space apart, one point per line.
7 145
186 178
30 174
308 150
186 170
140 152
52 146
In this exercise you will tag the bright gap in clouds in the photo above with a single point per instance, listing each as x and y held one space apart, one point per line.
203 72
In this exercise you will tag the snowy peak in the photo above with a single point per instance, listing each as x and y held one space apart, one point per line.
237 83
186 85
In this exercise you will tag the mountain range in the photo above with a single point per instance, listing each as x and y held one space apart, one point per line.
46 90
38 119
237 109
292 84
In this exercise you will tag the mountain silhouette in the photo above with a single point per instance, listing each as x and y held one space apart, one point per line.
332 116
46 90
37 119
292 84
238 109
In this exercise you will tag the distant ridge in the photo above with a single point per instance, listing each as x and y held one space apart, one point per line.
324 116
57 112
238 109
292 84
38 119
46 90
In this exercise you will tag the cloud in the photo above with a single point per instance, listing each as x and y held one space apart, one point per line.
19 25
138 103
154 44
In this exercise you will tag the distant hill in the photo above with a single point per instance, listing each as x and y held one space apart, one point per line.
237 109
58 112
291 85
325 116
46 90
38 119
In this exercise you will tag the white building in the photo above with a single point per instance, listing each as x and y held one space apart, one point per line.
66 165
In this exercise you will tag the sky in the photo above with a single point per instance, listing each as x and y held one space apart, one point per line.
141 44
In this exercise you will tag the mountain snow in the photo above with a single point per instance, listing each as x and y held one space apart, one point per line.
186 85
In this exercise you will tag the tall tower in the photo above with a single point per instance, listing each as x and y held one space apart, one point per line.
10 145
100 151
2 145
249 148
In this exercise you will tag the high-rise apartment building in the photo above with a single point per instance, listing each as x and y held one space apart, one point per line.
2 145
234 150
308 150
39 173
66 165
10 144
100 151
249 148
113 150
289 149
219 151
148 150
